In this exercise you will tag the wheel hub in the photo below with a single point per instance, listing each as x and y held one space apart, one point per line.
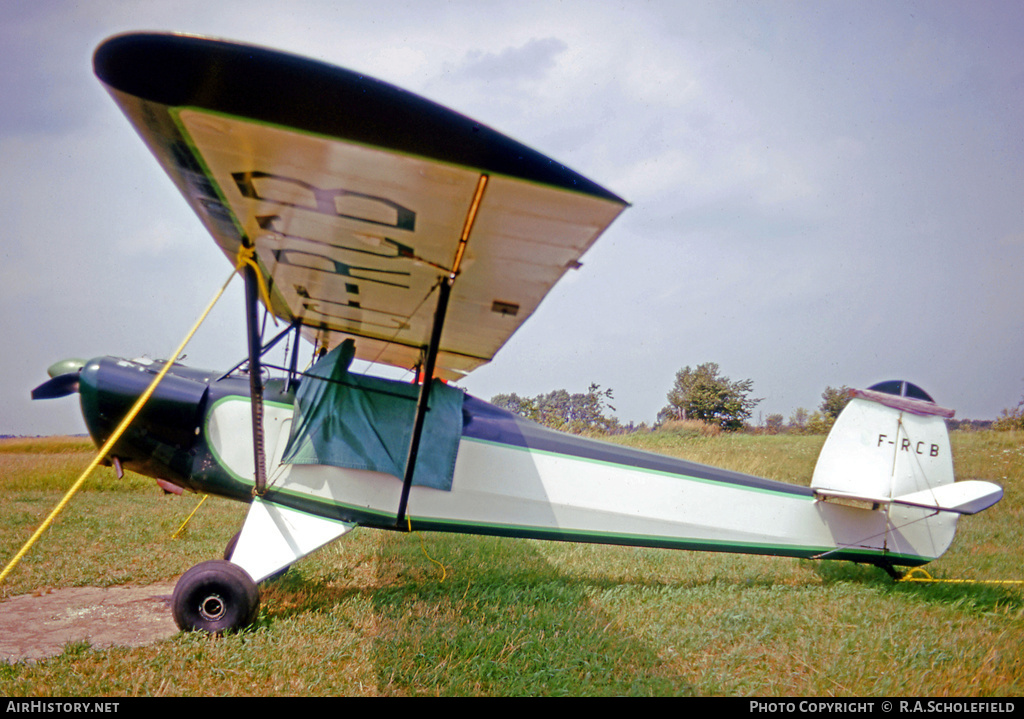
212 607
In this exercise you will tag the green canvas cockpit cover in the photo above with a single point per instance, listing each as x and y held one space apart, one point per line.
359 422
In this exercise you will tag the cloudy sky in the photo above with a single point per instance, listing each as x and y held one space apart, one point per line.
823 194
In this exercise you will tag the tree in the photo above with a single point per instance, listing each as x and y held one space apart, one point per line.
834 400
579 412
818 423
704 394
798 420
1011 418
523 406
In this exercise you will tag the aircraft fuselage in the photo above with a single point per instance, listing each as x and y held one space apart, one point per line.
512 478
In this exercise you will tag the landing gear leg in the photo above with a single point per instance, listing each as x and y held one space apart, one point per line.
229 551
896 574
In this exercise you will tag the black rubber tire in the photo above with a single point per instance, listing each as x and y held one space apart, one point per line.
215 597
229 548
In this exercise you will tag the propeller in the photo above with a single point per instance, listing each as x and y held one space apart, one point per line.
63 379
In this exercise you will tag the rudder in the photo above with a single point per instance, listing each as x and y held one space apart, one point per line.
884 446
887 444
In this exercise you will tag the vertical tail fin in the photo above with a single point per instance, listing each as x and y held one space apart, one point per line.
884 445
889 450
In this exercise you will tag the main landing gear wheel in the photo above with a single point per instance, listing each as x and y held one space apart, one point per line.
215 597
229 549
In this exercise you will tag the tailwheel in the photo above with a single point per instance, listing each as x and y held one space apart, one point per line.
215 597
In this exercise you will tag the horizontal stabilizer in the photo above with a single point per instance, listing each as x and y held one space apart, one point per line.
968 497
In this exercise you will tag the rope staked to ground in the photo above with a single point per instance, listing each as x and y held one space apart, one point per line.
423 546
136 408
919 575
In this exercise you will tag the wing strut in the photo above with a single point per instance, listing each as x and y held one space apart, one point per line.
255 376
427 375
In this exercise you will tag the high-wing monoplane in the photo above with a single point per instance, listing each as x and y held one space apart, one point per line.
381 226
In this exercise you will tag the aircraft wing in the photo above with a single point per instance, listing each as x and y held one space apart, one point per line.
356 194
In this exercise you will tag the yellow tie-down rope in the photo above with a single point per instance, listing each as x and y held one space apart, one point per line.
245 256
423 546
188 519
919 575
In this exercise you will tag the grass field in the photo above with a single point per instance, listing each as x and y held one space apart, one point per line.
381 613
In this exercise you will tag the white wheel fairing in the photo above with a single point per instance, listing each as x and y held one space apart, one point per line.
274 536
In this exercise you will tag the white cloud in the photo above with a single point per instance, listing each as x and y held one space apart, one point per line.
822 194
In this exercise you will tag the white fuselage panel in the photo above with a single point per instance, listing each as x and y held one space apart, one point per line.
499 488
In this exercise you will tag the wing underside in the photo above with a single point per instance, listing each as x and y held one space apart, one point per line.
353 228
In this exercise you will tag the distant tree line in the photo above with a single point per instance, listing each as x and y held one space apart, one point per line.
803 421
1011 418
972 425
703 395
579 413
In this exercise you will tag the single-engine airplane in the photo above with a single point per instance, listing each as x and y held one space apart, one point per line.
384 227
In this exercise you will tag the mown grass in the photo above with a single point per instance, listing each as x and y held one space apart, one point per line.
380 613
783 457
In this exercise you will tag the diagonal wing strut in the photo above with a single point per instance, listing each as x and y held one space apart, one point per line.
255 378
427 375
